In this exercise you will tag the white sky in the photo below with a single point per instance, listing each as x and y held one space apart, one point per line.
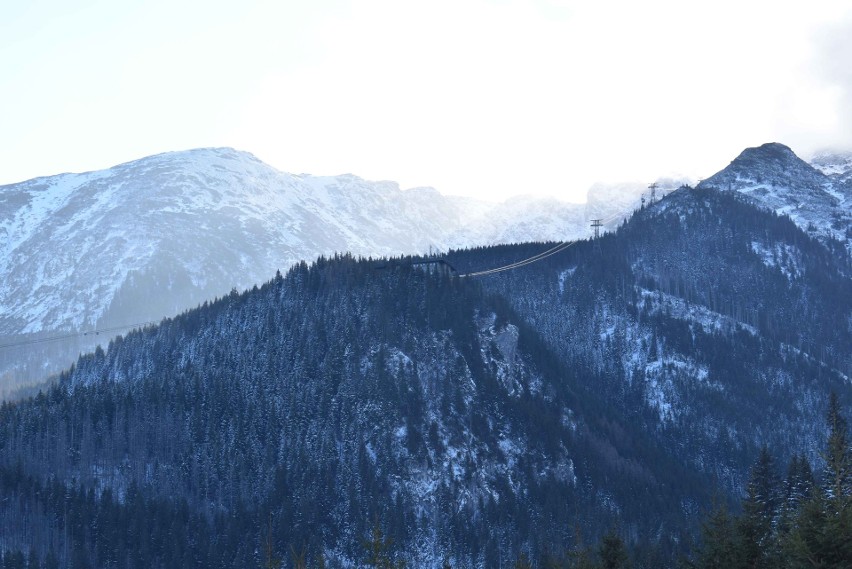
474 97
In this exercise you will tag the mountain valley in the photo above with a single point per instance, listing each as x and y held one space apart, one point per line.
492 403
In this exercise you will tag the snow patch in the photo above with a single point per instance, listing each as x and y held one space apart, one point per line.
659 302
563 276
786 258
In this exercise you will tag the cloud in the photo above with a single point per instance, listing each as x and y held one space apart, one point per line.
833 63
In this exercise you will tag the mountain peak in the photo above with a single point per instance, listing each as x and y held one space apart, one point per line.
198 155
773 147
768 165
771 154
773 176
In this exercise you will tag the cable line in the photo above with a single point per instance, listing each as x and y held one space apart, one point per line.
76 334
552 251
538 257
441 262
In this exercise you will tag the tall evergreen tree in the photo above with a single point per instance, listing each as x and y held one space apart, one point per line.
718 548
757 547
823 533
613 552
799 484
798 490
379 550
838 459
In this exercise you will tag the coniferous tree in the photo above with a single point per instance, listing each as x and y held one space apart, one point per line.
799 485
523 562
379 550
822 536
756 545
613 552
838 459
270 560
718 548
798 489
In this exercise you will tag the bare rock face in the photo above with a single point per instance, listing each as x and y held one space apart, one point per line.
816 197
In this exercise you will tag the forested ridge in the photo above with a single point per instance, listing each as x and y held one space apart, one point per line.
606 395
344 393
710 323
803 519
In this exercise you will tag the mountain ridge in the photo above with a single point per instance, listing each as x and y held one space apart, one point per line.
774 177
184 182
621 381
152 237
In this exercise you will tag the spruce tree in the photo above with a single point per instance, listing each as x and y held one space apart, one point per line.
718 541
757 546
823 533
799 485
798 490
838 460
379 550
523 562
838 490
612 552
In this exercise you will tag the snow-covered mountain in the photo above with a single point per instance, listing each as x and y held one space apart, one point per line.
609 202
817 197
178 228
521 218
155 236
837 165
632 381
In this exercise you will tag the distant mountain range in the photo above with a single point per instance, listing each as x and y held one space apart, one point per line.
151 237
627 382
155 236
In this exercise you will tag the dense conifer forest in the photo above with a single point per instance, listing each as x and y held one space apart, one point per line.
803 519
596 409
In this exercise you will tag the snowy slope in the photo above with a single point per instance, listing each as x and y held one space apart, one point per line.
182 227
612 202
521 219
837 165
817 198
155 236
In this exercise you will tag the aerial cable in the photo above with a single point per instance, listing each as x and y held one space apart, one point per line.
522 263
538 257
76 334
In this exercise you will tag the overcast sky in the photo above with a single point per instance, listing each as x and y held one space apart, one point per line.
474 97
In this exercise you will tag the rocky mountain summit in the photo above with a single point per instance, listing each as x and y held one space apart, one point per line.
816 197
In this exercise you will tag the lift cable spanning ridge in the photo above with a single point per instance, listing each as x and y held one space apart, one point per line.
538 257
552 251
522 263
77 334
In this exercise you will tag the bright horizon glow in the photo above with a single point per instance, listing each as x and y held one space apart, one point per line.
485 98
